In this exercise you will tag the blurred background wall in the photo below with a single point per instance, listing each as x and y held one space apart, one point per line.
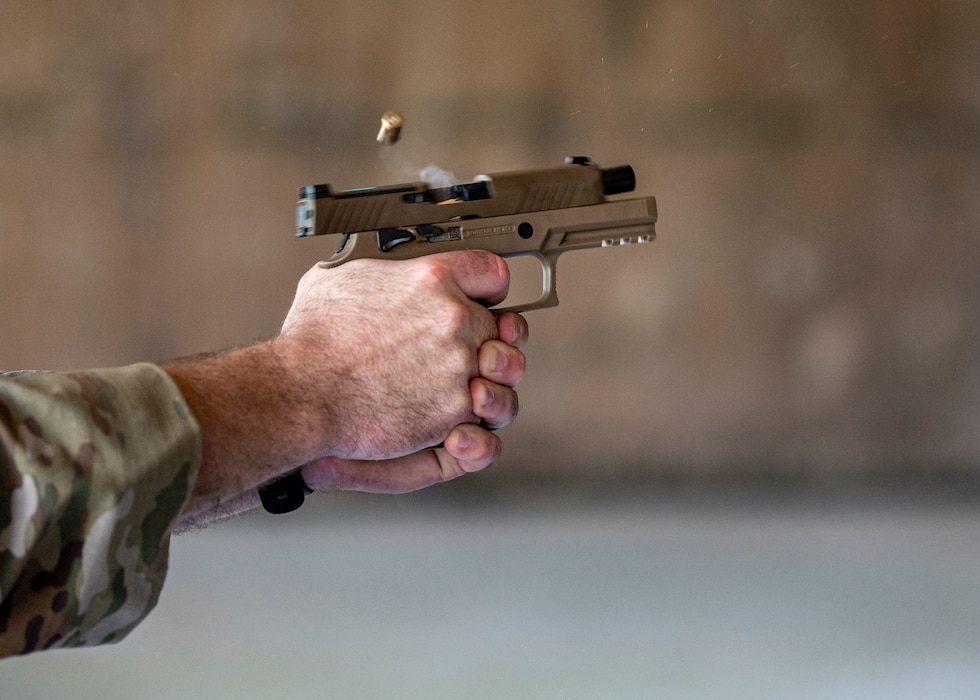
809 307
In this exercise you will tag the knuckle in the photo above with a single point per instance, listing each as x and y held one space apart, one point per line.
430 273
460 361
457 317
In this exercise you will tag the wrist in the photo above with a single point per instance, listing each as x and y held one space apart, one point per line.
254 421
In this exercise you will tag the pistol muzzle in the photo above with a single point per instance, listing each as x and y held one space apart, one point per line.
618 180
614 180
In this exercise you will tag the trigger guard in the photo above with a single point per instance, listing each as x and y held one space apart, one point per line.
549 295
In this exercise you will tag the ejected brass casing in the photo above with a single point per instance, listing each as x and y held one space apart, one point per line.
391 127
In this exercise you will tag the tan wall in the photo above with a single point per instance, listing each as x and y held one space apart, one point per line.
812 299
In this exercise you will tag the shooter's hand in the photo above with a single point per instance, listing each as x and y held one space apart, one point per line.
468 447
385 351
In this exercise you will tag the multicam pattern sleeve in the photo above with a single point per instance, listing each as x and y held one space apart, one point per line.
94 467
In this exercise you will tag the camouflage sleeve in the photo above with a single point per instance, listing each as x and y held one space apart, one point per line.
94 467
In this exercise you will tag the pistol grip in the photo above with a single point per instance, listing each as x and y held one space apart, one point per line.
286 494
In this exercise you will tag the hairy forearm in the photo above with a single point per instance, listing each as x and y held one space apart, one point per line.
253 426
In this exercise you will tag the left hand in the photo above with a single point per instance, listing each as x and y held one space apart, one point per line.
469 447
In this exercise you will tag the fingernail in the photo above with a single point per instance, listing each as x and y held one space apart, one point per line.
499 361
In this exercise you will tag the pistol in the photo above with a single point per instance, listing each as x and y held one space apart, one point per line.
537 213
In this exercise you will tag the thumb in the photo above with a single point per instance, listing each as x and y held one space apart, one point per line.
480 275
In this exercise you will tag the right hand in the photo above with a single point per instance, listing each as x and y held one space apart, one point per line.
382 358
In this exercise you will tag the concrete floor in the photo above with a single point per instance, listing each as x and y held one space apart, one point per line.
362 597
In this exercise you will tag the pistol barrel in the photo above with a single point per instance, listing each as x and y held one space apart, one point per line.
618 180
